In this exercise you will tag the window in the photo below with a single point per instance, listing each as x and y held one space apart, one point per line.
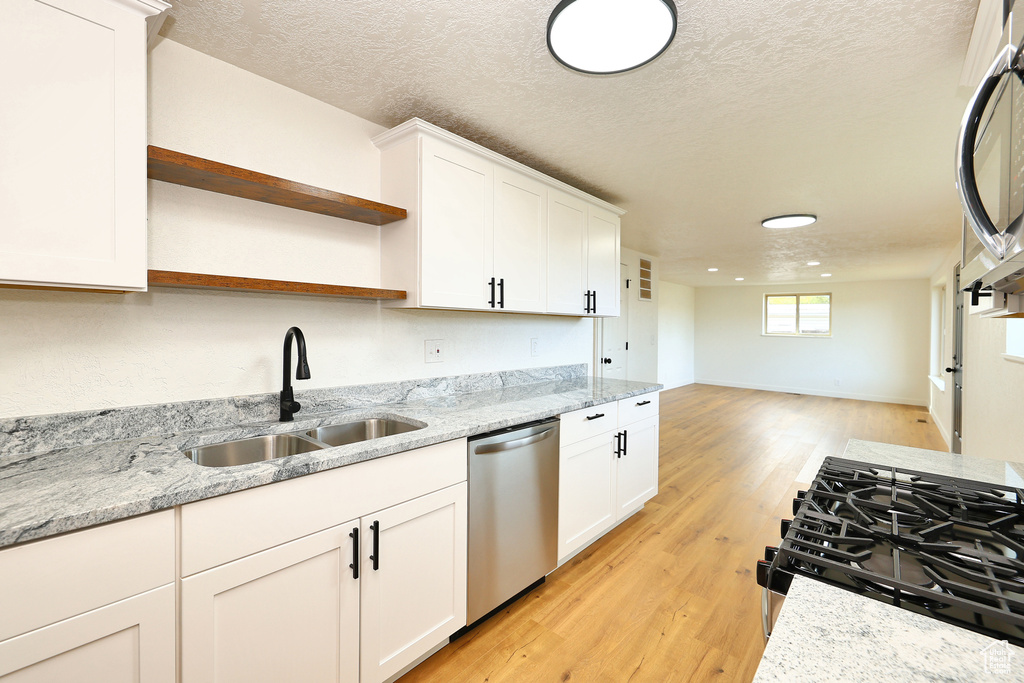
645 280
801 315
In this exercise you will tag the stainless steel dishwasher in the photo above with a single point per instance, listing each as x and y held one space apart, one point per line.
513 513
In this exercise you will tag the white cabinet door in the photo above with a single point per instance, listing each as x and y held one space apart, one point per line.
586 492
457 227
567 253
520 241
290 613
131 641
637 475
415 596
603 260
73 148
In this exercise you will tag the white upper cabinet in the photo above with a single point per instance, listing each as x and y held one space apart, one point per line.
520 241
457 218
73 175
487 233
603 261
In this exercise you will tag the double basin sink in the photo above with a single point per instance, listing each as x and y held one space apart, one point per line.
260 448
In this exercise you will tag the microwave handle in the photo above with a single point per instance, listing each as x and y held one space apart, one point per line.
966 182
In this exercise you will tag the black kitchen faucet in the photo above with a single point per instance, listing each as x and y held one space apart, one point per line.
289 406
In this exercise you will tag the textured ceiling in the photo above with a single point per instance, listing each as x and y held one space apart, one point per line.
843 108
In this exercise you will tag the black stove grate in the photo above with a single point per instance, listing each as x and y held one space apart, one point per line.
950 548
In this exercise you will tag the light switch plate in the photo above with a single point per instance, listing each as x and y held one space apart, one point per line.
433 351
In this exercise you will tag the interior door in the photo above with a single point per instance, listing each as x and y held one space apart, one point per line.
956 370
614 359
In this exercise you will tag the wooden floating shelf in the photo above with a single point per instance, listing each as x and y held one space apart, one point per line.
185 169
172 278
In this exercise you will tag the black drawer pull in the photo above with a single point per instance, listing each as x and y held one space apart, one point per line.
618 445
355 553
643 403
594 417
376 545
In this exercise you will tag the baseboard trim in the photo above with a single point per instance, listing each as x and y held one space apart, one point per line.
902 400
943 431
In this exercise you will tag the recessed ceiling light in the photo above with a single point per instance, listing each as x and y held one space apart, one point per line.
814 263
739 279
610 36
826 274
712 270
793 220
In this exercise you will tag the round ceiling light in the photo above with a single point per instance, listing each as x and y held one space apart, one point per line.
792 220
610 36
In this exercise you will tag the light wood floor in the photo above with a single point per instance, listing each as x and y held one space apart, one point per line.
670 594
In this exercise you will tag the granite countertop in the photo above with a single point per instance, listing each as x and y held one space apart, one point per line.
824 633
46 493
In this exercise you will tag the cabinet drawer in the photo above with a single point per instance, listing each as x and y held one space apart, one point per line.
227 528
583 424
52 579
638 408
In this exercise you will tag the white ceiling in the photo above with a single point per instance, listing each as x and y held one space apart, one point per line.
843 108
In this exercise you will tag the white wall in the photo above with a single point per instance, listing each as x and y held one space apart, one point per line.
675 334
67 351
878 350
993 393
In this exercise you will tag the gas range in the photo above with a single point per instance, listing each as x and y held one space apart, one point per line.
950 548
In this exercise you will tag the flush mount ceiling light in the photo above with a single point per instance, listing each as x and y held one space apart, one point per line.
826 274
739 279
610 36
712 270
792 220
814 263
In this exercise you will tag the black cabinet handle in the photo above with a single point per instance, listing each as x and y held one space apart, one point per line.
355 553
593 302
491 285
501 288
618 445
594 417
376 545
643 403
586 308
625 443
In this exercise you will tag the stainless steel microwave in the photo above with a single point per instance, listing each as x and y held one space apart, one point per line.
990 171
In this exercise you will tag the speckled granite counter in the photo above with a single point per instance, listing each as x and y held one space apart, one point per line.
825 633
46 493
828 634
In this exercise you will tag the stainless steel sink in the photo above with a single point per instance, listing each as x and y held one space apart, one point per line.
361 430
258 449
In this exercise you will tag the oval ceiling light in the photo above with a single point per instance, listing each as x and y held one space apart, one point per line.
826 274
610 36
814 263
712 270
792 220
739 279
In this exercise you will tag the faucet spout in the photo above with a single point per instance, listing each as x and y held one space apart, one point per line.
289 406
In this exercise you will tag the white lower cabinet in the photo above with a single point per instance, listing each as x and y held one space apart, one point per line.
413 580
636 476
131 641
605 477
93 606
288 613
586 492
283 599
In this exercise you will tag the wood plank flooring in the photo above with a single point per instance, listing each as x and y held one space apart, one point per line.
670 594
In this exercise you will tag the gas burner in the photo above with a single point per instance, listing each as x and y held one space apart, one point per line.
949 548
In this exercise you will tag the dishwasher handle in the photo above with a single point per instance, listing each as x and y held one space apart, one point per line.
515 443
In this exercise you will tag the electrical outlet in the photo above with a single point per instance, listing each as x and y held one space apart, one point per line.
433 351
535 347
